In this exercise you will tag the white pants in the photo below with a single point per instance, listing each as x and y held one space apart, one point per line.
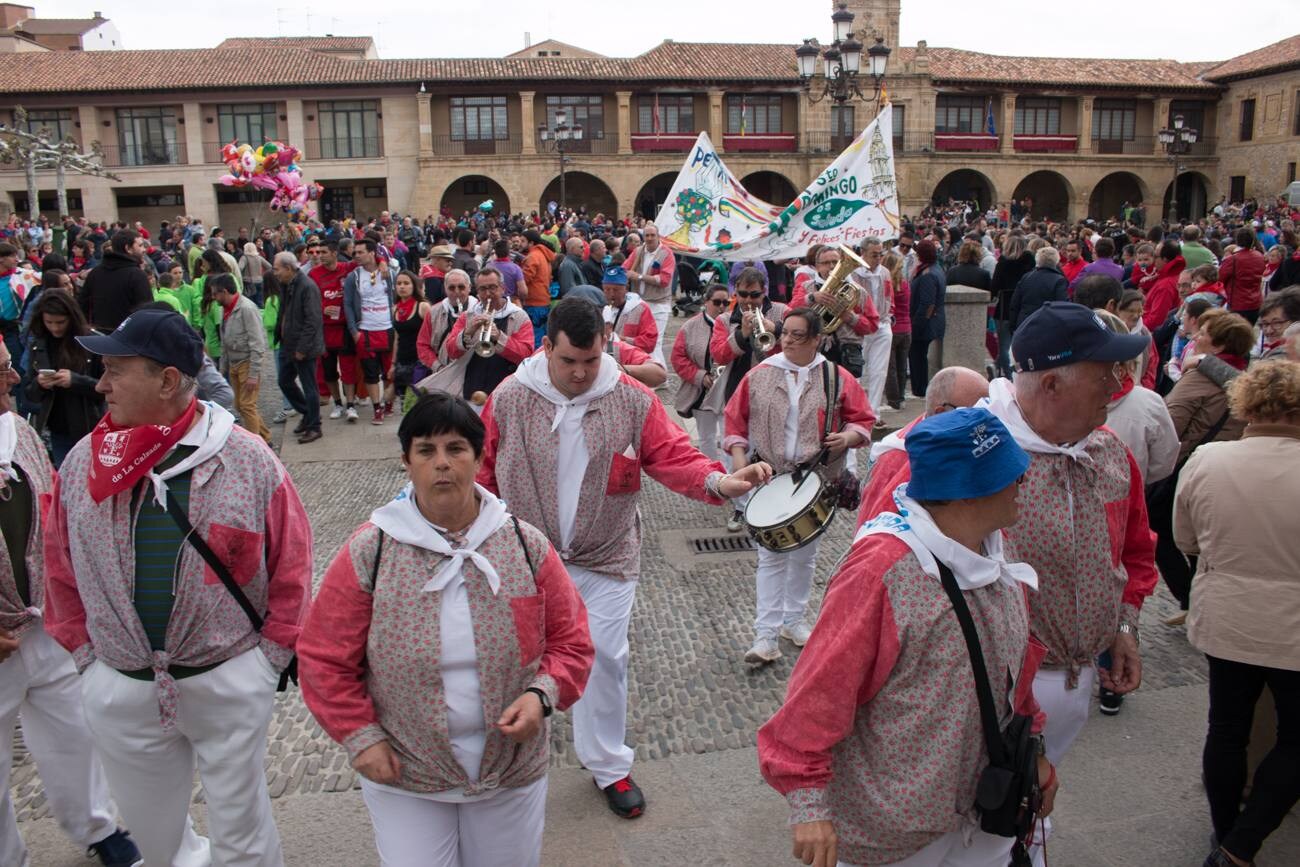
600 716
950 850
221 722
505 829
709 426
875 365
39 681
1067 710
661 311
784 582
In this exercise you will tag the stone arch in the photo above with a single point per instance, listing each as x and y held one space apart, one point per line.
1112 191
650 198
581 190
1049 191
1193 195
965 185
772 187
469 191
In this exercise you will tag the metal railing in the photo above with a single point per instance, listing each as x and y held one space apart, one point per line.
1142 145
147 154
600 143
457 146
343 148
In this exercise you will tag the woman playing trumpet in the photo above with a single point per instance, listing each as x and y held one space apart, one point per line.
484 347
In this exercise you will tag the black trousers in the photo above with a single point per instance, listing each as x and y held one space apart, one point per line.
918 362
1175 566
1234 689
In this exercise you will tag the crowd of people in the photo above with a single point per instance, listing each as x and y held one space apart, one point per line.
1141 385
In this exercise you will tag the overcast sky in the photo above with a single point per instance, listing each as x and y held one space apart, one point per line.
1189 30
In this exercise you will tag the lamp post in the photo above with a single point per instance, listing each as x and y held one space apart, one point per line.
557 140
1177 141
841 63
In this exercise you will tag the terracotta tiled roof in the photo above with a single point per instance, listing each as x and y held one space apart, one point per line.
1271 58
953 64
718 61
59 26
319 43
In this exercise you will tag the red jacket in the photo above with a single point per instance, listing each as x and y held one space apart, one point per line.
1241 275
1162 297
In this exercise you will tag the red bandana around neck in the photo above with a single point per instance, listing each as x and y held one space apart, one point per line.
405 309
121 456
1125 386
1235 360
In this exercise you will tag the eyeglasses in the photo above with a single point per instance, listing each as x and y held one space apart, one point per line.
828 262
1115 374
795 336
758 294
718 302
1273 324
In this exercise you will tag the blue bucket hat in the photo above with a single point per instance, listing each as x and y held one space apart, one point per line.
963 454
615 274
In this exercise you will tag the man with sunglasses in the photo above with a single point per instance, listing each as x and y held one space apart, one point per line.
1085 528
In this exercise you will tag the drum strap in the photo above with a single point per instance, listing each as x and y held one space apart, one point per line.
831 388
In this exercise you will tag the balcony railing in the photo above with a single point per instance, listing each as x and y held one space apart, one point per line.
823 141
965 141
1031 144
343 148
148 154
1142 145
597 143
662 142
459 146
767 143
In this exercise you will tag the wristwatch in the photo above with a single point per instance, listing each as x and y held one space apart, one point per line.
547 710
1129 629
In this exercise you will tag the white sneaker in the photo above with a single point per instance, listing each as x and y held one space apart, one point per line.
351 413
337 411
797 634
764 650
283 416
736 522
363 401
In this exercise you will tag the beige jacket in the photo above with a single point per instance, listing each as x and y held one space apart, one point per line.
1196 404
1236 510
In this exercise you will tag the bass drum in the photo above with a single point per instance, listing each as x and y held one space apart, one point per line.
786 514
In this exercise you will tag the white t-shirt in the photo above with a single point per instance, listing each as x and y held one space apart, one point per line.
375 315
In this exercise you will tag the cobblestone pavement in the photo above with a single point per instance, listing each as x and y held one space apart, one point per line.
690 690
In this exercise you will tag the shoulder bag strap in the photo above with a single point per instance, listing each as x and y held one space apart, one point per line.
379 553
988 716
1209 437
210 557
522 544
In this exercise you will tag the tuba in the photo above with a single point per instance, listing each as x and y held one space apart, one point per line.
847 293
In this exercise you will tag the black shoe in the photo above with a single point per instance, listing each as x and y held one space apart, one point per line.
1219 858
116 850
309 437
624 798
300 429
1110 702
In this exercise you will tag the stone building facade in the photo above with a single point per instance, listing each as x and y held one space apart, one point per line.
1077 137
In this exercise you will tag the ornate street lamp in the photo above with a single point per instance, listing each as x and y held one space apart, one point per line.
841 63
1177 141
557 140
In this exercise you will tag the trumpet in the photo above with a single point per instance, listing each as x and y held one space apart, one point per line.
485 346
456 309
763 338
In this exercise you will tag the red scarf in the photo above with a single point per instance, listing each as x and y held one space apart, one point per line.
121 456
1235 360
227 309
405 309
7 273
1125 386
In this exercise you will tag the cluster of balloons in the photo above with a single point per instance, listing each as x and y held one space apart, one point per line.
273 167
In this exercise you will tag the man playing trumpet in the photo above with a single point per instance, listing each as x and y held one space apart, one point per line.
484 347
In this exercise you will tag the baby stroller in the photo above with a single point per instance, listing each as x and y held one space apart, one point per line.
688 299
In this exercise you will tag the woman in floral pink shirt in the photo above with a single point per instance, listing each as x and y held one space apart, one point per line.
445 633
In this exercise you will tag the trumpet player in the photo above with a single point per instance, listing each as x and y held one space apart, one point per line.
456 302
845 346
485 346
734 349
632 318
780 415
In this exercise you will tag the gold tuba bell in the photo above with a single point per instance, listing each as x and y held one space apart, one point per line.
847 293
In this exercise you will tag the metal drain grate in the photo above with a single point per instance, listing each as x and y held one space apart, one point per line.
722 544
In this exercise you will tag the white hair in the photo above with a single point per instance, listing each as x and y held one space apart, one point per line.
287 259
1047 257
457 272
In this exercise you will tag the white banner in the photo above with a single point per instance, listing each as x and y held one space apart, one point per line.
709 213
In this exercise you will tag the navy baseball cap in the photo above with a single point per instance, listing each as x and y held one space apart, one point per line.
1062 332
962 454
160 335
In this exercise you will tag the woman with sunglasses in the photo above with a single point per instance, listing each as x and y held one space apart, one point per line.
696 366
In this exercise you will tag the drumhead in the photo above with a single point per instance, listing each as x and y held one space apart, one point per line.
779 500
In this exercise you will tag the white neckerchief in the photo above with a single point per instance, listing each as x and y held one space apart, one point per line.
8 443
401 519
1002 403
208 435
914 525
534 374
471 305
505 311
613 314
796 380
